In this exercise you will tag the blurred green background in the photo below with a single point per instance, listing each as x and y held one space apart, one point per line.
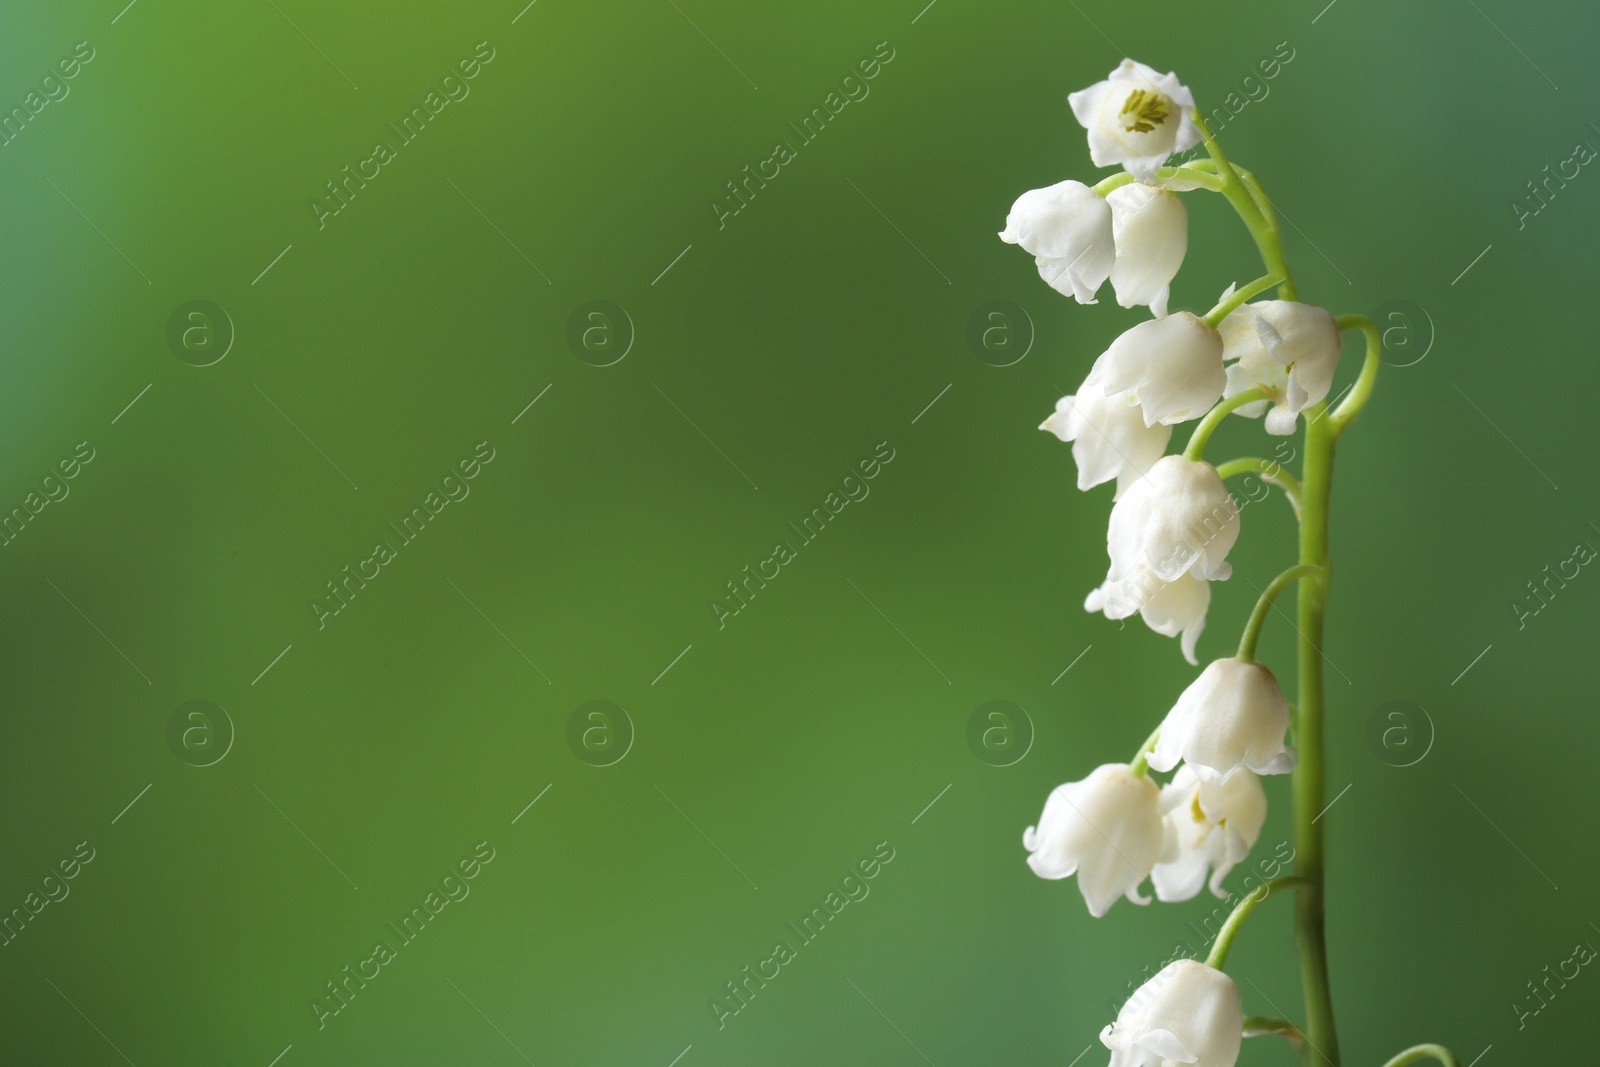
765 758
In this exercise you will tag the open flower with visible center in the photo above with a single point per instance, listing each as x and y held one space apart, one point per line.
1136 117
1188 1014
1067 227
1171 365
1234 715
1106 829
1292 349
1178 519
1108 434
1168 608
1214 827
1151 228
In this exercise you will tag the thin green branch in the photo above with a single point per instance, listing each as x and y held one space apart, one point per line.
1194 172
1425 1052
1202 433
1258 617
1141 761
1269 469
1346 412
1266 1024
1256 215
1238 297
1230 929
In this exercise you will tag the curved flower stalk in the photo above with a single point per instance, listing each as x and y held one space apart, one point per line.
1172 526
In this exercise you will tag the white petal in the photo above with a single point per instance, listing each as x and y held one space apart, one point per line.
1106 828
1151 230
1172 366
1111 119
1188 1013
1109 435
1234 715
1178 519
1086 103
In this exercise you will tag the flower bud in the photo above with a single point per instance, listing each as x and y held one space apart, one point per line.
1187 1014
1067 227
1172 366
1234 715
1178 519
1151 228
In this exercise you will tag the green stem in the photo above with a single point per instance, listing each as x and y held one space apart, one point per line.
1270 469
1141 762
1218 957
1425 1052
1309 774
1258 617
1189 171
1256 215
1238 297
1266 1024
1346 412
1214 417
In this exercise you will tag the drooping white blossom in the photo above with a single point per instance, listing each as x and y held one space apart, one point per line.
1214 827
1178 519
1292 349
1108 434
1067 227
1188 1014
1151 228
1171 365
1106 829
1168 608
1234 715
1136 117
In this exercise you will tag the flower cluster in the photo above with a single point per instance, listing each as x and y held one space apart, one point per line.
1172 526
1174 522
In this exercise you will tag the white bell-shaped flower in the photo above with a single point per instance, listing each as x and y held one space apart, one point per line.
1168 608
1188 1014
1214 827
1151 228
1136 117
1234 715
1067 227
1172 366
1178 519
1108 434
1292 349
1106 829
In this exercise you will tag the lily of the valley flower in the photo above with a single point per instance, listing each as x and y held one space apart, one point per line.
1292 349
1136 117
1178 519
1067 228
1106 829
1188 1014
1234 715
1151 228
1108 434
1168 608
1171 365
1214 826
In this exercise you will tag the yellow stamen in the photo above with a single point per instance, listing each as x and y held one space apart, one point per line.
1143 111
